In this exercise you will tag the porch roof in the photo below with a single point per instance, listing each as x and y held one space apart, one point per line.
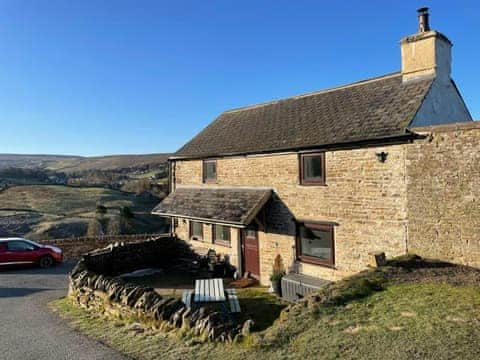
230 206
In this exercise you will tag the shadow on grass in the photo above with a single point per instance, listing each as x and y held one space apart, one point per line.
263 308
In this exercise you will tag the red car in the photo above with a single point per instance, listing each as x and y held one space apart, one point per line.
18 251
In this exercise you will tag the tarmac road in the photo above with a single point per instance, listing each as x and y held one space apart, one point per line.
28 330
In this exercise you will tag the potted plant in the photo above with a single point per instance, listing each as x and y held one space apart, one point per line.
278 271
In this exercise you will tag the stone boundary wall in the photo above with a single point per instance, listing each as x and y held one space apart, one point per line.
74 247
443 193
94 285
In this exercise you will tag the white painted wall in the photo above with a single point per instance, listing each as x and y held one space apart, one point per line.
443 105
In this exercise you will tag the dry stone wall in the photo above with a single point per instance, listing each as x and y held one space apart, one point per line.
95 286
73 248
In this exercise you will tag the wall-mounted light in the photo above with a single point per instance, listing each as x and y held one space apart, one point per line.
382 156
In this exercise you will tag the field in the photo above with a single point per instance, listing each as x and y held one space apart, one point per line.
409 310
46 211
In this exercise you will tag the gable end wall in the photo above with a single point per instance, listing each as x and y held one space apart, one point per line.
442 105
443 193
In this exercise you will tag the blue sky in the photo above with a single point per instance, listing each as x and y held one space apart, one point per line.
116 77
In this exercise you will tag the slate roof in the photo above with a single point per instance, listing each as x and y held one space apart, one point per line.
234 206
373 109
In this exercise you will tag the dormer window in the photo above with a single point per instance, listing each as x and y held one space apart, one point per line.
312 169
209 171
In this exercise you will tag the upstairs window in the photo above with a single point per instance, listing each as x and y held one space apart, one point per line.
312 169
221 235
315 244
196 230
209 171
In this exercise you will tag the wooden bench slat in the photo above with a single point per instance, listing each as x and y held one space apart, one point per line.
187 298
212 290
233 300
202 290
197 290
217 289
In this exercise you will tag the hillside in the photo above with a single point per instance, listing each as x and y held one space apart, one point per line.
69 164
55 211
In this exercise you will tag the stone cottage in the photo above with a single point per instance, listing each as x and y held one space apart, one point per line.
326 179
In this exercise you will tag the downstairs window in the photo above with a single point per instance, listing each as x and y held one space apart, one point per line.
315 243
221 235
196 230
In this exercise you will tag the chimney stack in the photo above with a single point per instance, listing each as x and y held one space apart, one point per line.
423 24
426 53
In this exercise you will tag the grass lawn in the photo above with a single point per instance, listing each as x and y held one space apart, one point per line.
381 314
256 303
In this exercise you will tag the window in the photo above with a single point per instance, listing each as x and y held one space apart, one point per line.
312 169
315 244
221 235
209 171
196 230
20 246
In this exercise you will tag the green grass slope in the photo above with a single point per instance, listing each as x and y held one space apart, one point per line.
412 309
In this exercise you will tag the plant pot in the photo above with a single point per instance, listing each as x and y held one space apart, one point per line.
277 287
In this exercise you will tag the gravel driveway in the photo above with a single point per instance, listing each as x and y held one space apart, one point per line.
27 328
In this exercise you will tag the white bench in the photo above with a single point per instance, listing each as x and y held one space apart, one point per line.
211 291
233 300
187 298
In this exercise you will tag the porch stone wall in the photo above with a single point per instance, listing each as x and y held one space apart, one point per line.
443 180
366 198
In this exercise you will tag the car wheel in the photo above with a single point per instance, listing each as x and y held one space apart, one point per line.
45 261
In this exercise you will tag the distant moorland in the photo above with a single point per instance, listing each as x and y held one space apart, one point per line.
54 196
68 164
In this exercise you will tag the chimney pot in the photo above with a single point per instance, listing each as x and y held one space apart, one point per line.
423 24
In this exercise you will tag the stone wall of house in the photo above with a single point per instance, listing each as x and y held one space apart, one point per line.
202 246
443 177
363 196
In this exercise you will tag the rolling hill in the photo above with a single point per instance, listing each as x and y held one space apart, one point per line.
68 164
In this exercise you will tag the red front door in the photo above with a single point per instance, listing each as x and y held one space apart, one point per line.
251 258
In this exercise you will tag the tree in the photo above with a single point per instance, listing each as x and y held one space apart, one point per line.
126 218
94 228
114 226
101 209
126 212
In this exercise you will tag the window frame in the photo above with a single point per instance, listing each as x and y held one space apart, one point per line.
311 259
310 182
221 242
204 172
191 236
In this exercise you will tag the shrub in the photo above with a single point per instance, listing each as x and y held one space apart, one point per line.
278 270
101 209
